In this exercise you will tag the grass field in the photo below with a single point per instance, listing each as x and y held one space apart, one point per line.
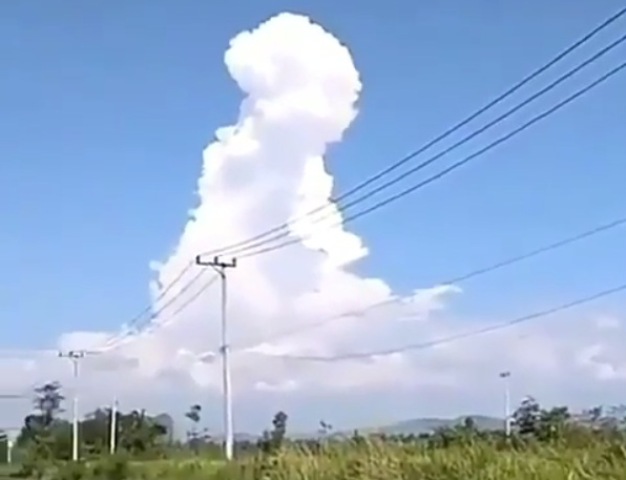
378 461
6 471
481 461
373 460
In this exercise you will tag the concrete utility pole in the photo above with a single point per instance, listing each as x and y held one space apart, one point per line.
505 376
8 432
9 450
220 267
75 357
6 435
113 438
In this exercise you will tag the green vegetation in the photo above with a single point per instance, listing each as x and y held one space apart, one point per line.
545 444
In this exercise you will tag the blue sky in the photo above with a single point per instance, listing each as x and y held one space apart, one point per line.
106 107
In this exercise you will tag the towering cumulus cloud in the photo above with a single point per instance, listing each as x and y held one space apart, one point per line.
300 89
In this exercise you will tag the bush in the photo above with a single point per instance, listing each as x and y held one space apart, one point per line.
114 467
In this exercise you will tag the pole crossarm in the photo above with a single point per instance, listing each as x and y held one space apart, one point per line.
215 262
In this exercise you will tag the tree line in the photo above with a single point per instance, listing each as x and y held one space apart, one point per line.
45 436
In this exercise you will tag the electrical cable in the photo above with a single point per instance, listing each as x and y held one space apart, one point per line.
606 23
500 140
136 325
137 322
455 337
396 165
451 148
15 353
167 322
567 241
285 226
138 318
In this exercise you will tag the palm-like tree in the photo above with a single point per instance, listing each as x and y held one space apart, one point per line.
194 415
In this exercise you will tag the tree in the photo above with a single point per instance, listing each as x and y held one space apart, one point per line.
613 418
552 423
469 425
139 433
95 430
193 414
48 404
280 428
593 416
45 439
532 420
526 417
271 441
42 427
325 428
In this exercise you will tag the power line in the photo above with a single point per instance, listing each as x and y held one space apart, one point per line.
138 321
399 163
455 337
172 317
550 247
541 250
114 341
15 354
456 165
138 317
138 325
285 226
454 146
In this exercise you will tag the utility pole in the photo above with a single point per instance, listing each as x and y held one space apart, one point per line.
8 432
75 357
9 450
9 436
220 267
113 438
505 376
6 436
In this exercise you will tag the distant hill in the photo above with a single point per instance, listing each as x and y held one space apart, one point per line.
238 436
428 425
416 426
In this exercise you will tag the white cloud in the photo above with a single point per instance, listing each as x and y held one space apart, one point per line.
300 91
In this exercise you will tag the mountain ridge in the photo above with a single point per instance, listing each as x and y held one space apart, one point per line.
415 426
430 424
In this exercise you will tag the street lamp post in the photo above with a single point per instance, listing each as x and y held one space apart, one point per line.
505 376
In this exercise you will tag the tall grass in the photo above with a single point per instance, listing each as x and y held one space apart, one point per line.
372 460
